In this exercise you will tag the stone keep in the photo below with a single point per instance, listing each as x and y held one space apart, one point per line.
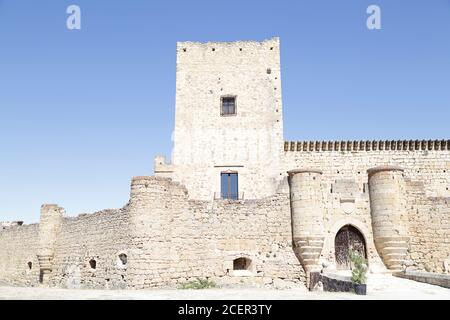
207 143
389 199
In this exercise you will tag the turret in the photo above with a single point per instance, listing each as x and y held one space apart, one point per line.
388 211
49 227
307 211
162 168
153 203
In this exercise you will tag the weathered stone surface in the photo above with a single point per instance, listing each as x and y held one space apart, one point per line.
175 228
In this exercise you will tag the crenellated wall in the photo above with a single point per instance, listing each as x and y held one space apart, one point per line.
365 145
347 196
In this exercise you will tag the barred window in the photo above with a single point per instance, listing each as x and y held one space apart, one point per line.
228 106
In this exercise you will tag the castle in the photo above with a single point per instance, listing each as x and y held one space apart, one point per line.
239 205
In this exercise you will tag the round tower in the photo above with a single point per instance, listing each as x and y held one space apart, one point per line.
142 188
154 201
388 211
307 211
49 227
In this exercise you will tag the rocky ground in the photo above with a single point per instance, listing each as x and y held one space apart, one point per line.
379 287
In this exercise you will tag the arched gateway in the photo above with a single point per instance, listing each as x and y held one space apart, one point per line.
348 237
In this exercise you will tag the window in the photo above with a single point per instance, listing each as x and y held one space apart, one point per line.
229 185
228 106
123 258
241 264
93 264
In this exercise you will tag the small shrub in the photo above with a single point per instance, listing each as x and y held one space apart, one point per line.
359 267
198 284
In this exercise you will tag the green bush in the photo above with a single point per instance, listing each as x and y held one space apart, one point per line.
359 267
198 284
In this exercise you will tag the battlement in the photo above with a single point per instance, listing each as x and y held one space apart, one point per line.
186 47
364 145
8 224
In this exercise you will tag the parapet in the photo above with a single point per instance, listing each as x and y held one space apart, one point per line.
364 145
162 167
185 45
154 184
47 207
306 170
195 53
8 224
141 179
384 168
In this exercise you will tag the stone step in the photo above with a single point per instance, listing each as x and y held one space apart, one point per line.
395 256
398 250
310 261
311 255
315 250
395 244
310 243
308 238
394 238
311 248
394 263
316 243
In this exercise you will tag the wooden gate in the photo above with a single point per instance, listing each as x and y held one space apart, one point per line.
348 238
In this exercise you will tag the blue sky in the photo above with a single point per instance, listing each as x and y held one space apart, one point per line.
83 111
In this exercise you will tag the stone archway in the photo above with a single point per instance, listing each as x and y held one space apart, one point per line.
348 238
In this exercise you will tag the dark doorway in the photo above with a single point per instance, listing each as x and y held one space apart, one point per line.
348 238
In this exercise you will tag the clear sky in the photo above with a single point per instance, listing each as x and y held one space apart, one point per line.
82 111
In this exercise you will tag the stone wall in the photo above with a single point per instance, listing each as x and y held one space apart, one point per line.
99 237
18 247
347 200
429 229
432 167
167 238
175 228
441 280
177 239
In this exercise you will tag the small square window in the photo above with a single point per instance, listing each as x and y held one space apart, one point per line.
227 106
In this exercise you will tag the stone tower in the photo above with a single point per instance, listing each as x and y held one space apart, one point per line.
209 138
389 218
49 228
308 212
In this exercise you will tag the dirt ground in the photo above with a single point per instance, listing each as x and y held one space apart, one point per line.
379 287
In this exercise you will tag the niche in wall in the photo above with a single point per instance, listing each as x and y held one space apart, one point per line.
242 266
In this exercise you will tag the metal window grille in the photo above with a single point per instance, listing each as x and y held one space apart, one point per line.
228 106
